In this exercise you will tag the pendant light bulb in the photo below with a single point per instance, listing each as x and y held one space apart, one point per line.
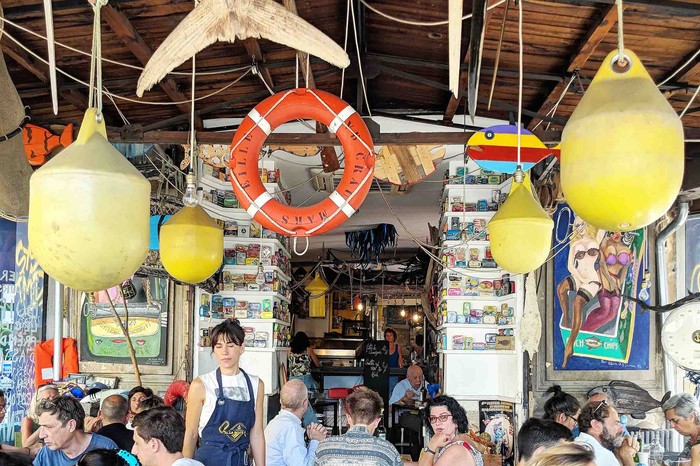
190 197
416 317
260 277
402 313
360 306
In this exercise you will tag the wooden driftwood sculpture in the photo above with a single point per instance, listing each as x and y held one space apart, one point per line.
226 20
15 172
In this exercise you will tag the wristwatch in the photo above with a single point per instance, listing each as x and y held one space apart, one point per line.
428 450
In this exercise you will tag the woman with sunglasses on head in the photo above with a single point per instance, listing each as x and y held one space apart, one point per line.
562 408
30 423
446 420
225 406
584 280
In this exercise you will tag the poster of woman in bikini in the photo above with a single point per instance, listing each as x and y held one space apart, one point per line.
595 328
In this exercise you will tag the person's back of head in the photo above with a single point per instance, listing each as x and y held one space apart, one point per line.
537 434
114 410
364 406
293 395
151 402
65 408
566 454
103 457
560 403
299 342
162 423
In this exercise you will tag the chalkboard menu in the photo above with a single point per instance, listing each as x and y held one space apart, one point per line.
376 369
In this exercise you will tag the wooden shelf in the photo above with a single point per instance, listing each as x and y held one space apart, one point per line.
476 326
509 297
251 321
231 241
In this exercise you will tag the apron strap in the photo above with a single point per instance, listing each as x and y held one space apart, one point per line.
250 386
220 398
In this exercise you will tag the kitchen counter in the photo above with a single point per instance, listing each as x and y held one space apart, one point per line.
339 370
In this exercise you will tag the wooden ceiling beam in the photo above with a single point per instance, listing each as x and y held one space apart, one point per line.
602 26
133 41
329 159
75 97
252 46
453 104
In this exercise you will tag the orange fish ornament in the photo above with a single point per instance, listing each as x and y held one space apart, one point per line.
40 142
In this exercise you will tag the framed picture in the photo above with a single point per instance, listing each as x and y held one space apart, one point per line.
591 331
157 311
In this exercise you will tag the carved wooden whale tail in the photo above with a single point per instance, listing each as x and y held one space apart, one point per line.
226 20
15 170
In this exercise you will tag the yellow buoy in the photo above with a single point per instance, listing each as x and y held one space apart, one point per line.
317 304
89 211
521 231
622 150
191 245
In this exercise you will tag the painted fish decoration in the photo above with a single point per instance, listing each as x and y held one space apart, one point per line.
496 148
226 20
630 398
39 142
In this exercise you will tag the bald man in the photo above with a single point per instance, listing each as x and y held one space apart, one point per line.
113 413
284 436
408 390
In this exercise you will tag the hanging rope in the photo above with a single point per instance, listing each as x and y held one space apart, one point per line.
418 23
95 95
622 59
519 176
692 99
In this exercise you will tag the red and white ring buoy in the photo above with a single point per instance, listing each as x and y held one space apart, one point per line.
341 119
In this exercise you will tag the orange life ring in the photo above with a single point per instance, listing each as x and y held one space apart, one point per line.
177 389
357 144
43 360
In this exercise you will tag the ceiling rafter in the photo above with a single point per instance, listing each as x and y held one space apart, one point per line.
133 41
252 46
329 159
602 26
75 97
453 104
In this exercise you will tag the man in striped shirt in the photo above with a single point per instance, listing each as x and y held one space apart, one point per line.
359 447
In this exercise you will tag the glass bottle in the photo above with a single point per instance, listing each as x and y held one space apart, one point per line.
656 452
380 431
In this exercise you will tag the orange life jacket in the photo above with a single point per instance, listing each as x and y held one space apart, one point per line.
43 360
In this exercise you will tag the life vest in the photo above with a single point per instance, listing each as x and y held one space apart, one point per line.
43 360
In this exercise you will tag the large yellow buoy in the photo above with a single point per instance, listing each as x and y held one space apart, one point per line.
622 150
191 244
317 301
521 231
89 211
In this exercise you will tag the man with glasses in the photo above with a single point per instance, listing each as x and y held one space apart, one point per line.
602 431
359 446
683 413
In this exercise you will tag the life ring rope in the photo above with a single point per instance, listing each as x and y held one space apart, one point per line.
257 202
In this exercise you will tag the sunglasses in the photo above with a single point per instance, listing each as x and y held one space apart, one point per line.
575 419
591 252
623 259
442 418
601 404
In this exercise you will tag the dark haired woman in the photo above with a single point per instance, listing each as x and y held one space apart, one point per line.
225 406
299 359
395 356
102 457
562 408
446 419
135 397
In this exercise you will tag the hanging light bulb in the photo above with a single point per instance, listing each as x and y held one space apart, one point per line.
191 242
260 277
416 316
357 302
402 312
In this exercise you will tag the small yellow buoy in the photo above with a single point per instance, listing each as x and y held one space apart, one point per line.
622 150
521 231
317 304
191 243
89 211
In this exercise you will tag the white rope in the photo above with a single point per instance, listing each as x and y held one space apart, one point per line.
127 99
621 60
417 23
690 60
125 120
553 110
345 46
692 99
114 62
359 61
193 141
520 76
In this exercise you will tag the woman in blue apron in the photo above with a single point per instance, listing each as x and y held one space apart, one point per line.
224 406
395 356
